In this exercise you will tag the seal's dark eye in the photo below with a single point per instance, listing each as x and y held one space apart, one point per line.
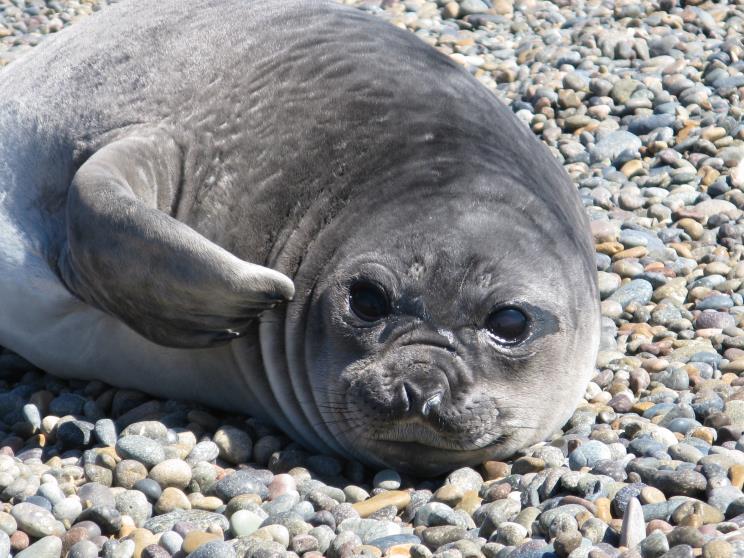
508 324
369 301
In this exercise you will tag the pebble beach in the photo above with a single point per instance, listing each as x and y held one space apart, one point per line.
641 101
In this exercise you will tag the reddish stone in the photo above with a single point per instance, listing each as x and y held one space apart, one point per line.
659 524
74 535
19 541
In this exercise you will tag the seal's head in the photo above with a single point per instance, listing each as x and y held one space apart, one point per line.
446 307
454 324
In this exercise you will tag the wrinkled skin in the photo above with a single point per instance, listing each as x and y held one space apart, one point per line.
187 200
373 383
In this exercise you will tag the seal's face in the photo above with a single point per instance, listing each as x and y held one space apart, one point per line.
443 346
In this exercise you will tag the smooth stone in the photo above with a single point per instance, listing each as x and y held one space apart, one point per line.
387 479
107 517
433 514
67 404
152 429
19 541
128 472
465 478
68 510
46 547
171 473
588 454
36 521
235 445
150 488
633 529
4 545
200 519
718 548
171 541
714 320
215 549
83 549
140 448
7 523
434 537
304 543
471 7
142 538
510 534
240 482
654 545
203 451
195 539
491 515
74 434
637 290
734 409
96 494
119 549
398 498
134 504
155 551
369 529
172 499
614 144
281 484
244 523
645 124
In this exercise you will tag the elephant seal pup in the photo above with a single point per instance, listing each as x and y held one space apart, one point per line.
297 211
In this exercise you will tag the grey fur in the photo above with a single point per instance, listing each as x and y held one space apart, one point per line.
182 172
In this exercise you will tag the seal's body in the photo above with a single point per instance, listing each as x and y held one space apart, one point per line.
294 210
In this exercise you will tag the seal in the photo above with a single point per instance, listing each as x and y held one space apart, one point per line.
293 210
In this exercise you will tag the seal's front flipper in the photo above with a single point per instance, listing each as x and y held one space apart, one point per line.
156 274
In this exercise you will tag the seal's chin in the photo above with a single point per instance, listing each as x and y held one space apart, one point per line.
420 433
430 457
427 445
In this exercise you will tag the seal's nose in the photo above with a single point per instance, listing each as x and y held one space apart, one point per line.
422 398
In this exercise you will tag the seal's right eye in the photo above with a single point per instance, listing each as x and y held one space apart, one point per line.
508 324
369 301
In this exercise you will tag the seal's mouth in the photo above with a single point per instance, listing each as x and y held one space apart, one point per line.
414 433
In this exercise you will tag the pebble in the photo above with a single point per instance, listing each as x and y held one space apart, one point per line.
198 519
240 482
36 521
203 451
195 539
46 547
140 448
83 549
214 549
235 445
387 480
171 473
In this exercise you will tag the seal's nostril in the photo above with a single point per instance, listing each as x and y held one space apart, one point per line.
411 396
406 397
422 400
431 404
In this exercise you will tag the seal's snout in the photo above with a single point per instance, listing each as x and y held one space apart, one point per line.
416 399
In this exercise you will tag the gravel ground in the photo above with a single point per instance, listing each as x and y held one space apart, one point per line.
641 102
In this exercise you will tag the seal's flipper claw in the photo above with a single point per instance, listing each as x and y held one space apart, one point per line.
159 276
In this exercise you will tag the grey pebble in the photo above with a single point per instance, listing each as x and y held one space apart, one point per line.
140 448
46 547
214 549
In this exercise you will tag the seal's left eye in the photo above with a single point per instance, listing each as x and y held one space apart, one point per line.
507 324
369 301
